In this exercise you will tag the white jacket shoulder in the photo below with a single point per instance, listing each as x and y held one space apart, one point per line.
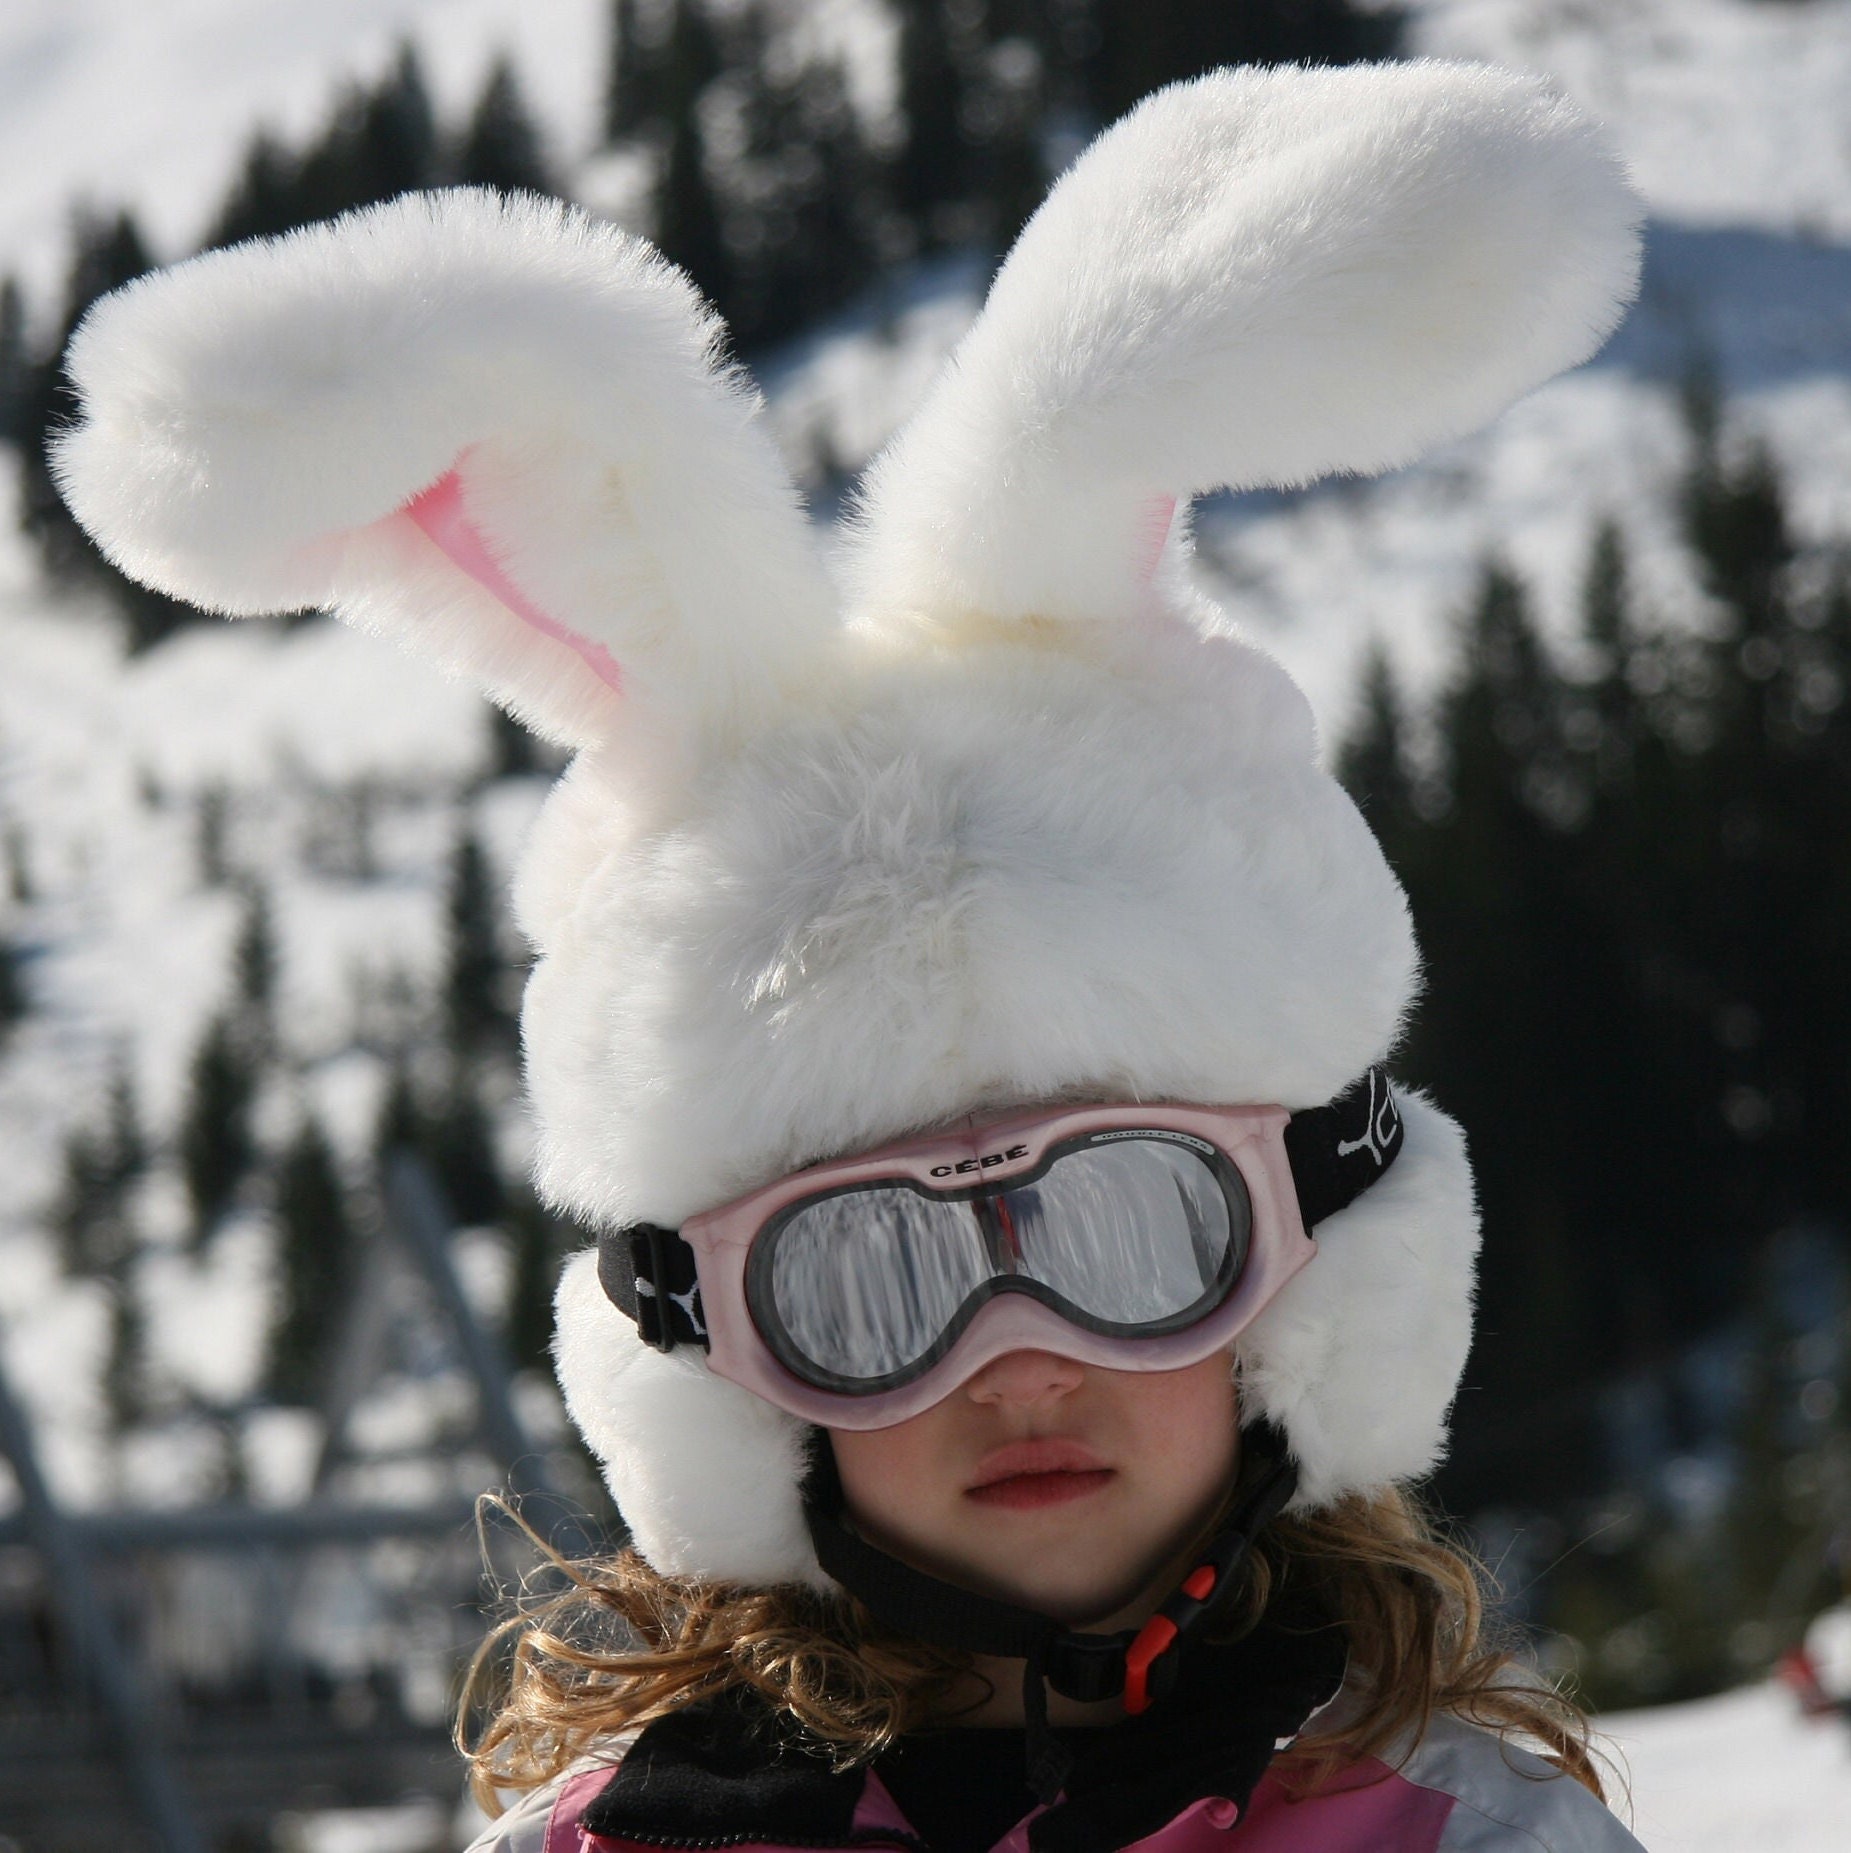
1508 1800
523 1828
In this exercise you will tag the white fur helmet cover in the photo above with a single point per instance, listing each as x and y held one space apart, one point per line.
1011 815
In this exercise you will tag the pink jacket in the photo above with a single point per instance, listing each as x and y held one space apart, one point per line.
1461 1790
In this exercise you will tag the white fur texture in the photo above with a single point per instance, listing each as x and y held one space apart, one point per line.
1358 1358
814 884
254 417
984 877
704 1473
1264 276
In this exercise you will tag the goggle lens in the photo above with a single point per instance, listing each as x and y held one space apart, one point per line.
860 1285
1126 1235
1135 1233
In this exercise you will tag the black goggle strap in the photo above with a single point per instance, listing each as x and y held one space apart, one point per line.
1140 1664
1336 1152
648 1273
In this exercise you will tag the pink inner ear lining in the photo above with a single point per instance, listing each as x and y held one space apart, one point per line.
439 514
1155 521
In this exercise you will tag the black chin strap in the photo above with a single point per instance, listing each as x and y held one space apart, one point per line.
1139 1664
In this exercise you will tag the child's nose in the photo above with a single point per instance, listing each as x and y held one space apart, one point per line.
1024 1378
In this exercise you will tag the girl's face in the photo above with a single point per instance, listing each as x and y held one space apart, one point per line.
1064 1488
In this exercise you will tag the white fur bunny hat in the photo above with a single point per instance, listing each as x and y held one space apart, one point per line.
1010 815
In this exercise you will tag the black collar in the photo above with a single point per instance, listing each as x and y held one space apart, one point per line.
730 1771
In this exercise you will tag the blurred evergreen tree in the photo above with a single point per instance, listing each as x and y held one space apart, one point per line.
91 1215
401 1123
477 1019
1139 45
13 999
126 1144
254 964
541 1243
1632 885
803 211
316 1244
108 252
1372 762
14 363
265 199
1763 1528
1505 1027
501 146
217 1139
932 167
686 215
514 751
381 142
125 1364
637 68
211 834
15 852
83 1218
461 1151
1007 107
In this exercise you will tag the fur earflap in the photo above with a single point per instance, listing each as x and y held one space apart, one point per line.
491 428
1358 1358
1260 277
704 1473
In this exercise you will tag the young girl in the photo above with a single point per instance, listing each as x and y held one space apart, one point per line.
1021 1299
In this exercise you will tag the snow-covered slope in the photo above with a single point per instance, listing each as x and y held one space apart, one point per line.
1738 1772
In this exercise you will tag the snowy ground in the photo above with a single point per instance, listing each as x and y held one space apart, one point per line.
1739 1772
1733 114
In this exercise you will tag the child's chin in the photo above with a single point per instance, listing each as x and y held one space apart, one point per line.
1073 1605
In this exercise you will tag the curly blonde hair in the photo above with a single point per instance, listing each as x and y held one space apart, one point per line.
622 1644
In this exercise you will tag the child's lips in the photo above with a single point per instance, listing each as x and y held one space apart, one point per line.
1030 1474
1025 1492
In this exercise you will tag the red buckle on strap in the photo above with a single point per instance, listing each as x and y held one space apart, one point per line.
1158 1636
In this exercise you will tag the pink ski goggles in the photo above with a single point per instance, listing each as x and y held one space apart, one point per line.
861 1291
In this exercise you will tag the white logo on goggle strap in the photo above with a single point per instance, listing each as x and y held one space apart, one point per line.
1152 1132
1380 1126
689 1303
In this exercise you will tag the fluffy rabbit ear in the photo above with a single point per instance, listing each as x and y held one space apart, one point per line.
493 429
1254 278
